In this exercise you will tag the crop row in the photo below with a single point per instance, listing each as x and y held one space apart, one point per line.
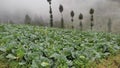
25 46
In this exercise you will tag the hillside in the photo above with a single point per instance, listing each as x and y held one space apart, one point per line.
26 46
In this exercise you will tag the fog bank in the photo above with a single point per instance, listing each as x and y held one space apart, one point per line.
16 10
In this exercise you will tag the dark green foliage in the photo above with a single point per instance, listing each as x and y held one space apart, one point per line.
81 18
51 15
62 20
27 19
25 46
92 18
72 15
109 25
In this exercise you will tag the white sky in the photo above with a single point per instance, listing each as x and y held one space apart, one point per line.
41 7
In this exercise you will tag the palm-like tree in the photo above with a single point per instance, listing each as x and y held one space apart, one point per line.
62 20
72 15
51 15
81 18
92 18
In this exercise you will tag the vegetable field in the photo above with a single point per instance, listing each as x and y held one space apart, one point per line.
26 46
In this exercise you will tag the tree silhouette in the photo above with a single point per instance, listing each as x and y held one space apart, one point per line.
27 19
92 18
11 22
62 20
51 15
109 25
81 18
72 15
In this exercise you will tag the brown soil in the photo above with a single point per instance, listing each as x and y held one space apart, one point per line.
3 65
111 62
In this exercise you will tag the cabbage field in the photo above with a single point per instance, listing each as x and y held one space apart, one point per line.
26 46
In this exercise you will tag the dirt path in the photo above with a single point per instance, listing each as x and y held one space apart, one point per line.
111 62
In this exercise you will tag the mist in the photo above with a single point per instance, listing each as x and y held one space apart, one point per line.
16 10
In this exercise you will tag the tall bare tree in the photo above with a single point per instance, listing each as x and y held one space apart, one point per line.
50 11
81 18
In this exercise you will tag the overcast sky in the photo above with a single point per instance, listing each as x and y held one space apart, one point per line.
18 8
41 6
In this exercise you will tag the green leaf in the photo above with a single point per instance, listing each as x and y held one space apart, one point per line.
3 49
20 53
34 64
44 64
22 63
11 56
